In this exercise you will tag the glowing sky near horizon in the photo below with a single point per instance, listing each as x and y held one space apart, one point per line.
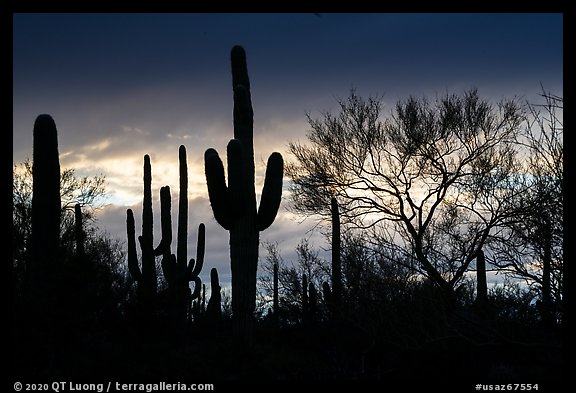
123 85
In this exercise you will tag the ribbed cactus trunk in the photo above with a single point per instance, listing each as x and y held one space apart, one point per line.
244 264
336 296
45 326
46 209
147 239
234 205
182 245
145 276
481 284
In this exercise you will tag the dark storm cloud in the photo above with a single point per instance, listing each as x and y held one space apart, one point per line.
167 70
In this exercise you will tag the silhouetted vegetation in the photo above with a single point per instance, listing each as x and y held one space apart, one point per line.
178 271
234 205
417 203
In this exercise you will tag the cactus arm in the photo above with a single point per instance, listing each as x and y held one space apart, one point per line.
195 268
132 256
166 222
197 288
217 190
189 269
272 192
214 282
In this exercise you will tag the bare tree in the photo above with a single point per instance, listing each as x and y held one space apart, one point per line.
532 248
290 288
433 181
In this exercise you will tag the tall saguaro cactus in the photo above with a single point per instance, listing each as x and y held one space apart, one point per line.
336 265
46 207
145 276
234 204
333 297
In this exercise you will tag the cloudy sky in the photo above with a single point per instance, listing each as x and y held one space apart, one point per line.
123 85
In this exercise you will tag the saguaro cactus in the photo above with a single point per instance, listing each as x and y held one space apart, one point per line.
177 270
146 277
214 308
276 303
79 233
234 204
46 207
481 285
333 296
309 301
336 265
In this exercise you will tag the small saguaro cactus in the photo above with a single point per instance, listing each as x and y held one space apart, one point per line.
46 209
214 308
234 204
309 301
79 233
179 272
276 302
481 285
145 276
336 265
